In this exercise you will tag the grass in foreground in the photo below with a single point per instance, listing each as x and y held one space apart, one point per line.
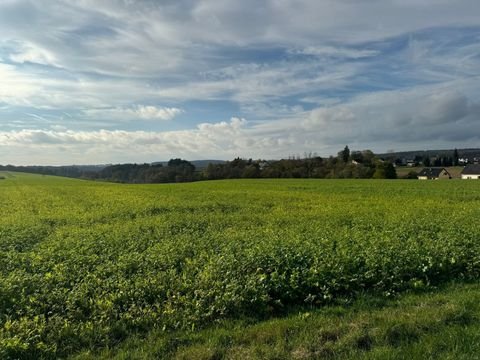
444 324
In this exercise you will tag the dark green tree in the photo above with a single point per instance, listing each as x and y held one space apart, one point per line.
455 157
345 154
390 172
411 175
357 156
426 161
385 170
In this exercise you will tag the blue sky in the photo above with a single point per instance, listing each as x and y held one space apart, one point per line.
85 81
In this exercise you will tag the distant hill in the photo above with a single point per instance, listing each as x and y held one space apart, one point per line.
199 164
89 171
75 171
469 153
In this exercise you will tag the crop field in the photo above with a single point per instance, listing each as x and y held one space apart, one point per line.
86 265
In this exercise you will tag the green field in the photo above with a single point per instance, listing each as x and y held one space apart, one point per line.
92 268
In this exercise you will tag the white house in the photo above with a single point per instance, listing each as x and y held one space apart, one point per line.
471 172
433 173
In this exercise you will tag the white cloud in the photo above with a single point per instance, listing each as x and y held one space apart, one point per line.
16 87
42 90
253 83
221 130
410 119
331 51
152 112
422 117
58 128
27 52
177 41
329 116
144 112
222 140
141 37
94 59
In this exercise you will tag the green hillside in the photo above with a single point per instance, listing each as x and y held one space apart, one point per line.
87 266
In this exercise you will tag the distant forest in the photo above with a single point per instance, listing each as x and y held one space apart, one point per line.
347 164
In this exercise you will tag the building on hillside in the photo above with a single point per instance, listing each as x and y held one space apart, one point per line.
434 173
471 172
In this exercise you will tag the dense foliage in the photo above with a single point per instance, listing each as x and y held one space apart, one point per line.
72 171
347 165
177 170
87 264
356 164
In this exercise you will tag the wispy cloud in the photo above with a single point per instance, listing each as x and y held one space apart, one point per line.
407 119
144 112
29 53
307 75
336 52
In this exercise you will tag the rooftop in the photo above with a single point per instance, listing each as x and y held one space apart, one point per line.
431 171
472 169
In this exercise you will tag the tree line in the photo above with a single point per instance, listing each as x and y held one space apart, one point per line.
347 164
356 164
176 170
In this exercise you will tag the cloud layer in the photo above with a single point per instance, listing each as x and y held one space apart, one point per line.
113 81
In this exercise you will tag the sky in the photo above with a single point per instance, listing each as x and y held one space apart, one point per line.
115 81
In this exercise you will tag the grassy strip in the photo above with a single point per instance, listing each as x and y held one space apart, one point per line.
439 325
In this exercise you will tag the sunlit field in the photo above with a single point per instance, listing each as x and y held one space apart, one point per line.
85 266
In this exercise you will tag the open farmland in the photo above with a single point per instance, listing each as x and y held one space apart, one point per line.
85 265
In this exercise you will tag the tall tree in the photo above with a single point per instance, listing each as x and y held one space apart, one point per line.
346 154
455 157
379 171
385 170
390 172
426 161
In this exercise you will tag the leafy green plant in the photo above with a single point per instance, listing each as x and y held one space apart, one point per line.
86 265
